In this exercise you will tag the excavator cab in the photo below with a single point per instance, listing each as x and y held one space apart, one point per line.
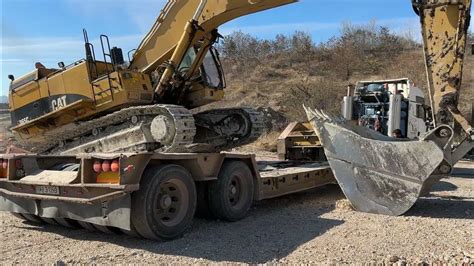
211 72
199 79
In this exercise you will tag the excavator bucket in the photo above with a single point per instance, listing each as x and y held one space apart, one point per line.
377 174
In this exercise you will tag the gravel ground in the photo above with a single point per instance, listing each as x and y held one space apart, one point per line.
314 226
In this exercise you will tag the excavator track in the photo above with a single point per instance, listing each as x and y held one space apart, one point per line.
127 130
161 128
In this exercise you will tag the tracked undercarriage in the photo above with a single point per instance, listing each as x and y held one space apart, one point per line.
224 129
163 128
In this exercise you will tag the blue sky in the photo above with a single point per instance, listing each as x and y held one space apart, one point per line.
50 31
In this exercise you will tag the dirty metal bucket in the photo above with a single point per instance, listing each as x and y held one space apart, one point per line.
377 174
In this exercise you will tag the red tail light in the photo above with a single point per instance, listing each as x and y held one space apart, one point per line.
115 166
106 166
97 166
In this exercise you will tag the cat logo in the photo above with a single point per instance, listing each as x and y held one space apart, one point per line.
23 121
59 103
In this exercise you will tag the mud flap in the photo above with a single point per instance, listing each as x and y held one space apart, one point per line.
115 213
377 174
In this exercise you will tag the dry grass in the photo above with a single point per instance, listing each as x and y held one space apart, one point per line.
285 84
267 142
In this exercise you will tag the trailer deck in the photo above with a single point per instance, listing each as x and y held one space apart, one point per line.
69 187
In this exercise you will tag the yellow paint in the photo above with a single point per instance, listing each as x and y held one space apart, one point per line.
76 80
108 178
444 36
173 34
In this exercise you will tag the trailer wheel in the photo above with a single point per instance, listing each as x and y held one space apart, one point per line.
231 195
165 204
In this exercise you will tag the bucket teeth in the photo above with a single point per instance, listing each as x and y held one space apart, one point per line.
378 174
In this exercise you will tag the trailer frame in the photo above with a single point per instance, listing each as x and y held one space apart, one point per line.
32 184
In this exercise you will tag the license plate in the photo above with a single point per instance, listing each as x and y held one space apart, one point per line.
47 190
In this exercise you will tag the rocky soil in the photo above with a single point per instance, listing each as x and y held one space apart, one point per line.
4 124
310 227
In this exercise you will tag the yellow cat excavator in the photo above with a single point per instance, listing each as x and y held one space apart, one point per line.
115 106
383 175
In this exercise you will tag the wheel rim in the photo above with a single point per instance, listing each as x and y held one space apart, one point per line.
171 203
235 191
236 194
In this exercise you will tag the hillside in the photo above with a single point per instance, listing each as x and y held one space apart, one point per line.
289 71
4 124
285 73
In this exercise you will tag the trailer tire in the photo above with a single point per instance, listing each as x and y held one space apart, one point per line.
231 195
164 206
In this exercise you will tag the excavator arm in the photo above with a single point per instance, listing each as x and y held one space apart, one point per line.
444 29
383 175
181 25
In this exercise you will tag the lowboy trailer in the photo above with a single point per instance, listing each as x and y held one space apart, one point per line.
150 195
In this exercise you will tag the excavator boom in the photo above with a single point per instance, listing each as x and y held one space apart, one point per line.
384 175
160 43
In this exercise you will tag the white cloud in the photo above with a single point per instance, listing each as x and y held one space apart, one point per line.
141 12
18 55
397 25
280 27
59 48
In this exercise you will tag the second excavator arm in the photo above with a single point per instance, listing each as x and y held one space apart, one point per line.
444 30
379 174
